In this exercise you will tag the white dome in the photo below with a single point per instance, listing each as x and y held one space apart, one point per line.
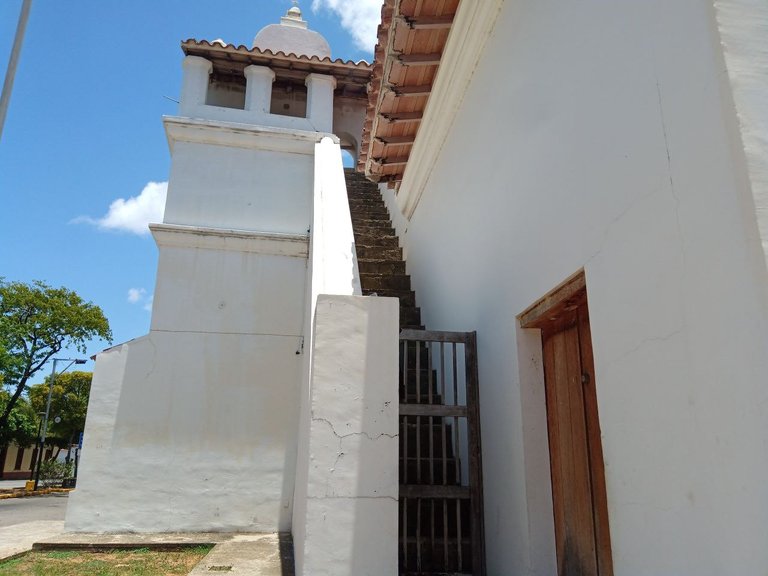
292 37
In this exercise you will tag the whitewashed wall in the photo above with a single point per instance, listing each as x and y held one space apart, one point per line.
345 501
194 427
601 135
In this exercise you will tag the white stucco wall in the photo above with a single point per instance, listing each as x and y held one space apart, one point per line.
189 432
743 29
194 427
349 524
598 135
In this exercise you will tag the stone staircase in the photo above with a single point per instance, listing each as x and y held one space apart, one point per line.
379 256
435 528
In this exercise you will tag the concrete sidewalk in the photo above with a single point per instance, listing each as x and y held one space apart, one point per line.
19 538
252 554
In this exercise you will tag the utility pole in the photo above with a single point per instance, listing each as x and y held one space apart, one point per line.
10 73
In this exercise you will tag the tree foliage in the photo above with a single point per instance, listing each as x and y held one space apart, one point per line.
22 422
36 322
69 401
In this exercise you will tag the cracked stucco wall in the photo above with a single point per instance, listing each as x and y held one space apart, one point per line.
350 517
598 135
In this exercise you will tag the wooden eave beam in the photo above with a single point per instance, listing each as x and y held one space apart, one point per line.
420 59
396 140
400 117
397 161
406 91
428 22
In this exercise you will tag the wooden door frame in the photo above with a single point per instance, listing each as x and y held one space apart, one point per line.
562 308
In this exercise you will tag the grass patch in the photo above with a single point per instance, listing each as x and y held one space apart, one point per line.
139 562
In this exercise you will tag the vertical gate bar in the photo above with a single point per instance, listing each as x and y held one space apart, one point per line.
458 534
418 418
431 452
418 372
445 534
418 449
432 533
431 421
442 419
404 532
456 451
455 377
404 463
429 371
475 456
405 371
418 534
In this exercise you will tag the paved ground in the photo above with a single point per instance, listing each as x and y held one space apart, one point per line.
24 521
8 484
39 520
33 509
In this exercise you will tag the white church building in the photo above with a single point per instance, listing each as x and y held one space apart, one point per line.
580 382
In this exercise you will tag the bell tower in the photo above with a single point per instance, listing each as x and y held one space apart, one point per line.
194 426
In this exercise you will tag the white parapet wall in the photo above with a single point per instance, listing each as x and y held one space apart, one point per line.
350 524
345 503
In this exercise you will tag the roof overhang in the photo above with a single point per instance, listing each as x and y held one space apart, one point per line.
412 36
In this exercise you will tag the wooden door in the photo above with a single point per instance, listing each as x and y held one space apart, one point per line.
576 457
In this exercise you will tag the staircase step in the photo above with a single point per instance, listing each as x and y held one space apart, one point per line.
377 282
378 253
379 223
407 297
372 217
381 266
410 317
382 240
377 227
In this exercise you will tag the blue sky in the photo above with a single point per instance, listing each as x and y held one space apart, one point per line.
84 130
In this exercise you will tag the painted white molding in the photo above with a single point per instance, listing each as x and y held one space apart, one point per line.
293 245
743 28
184 129
471 28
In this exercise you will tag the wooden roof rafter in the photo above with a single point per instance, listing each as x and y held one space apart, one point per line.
412 36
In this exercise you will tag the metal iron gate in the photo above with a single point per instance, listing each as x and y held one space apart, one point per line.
441 494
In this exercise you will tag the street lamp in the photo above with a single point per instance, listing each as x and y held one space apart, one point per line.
44 424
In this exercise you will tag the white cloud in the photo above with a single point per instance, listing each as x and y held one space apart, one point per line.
139 296
133 215
136 294
358 17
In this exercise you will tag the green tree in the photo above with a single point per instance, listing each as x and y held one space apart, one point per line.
22 422
36 322
69 402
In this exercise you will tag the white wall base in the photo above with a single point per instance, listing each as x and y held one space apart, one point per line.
186 433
